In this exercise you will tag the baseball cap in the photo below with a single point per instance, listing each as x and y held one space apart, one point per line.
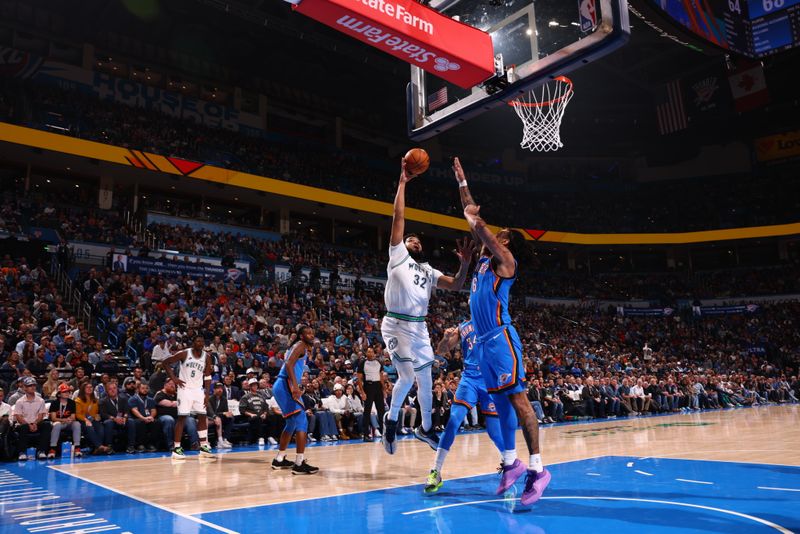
28 381
219 385
63 388
128 381
252 381
338 387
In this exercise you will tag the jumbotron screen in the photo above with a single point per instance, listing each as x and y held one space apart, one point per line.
754 28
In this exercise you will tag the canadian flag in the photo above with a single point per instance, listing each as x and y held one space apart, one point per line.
749 87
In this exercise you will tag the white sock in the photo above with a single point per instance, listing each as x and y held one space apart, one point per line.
281 456
176 444
425 396
203 435
298 459
536 463
509 457
441 454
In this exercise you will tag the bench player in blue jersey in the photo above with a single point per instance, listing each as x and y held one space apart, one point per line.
288 395
501 358
471 391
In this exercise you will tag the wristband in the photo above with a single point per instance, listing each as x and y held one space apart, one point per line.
462 183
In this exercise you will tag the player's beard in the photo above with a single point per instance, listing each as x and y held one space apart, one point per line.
418 257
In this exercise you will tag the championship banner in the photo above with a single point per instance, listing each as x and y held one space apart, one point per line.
135 264
414 33
777 147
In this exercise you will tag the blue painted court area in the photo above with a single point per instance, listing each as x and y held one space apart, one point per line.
618 494
34 498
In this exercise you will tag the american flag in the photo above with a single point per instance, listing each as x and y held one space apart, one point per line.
437 99
670 111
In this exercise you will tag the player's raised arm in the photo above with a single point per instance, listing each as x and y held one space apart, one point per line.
399 216
505 266
465 250
172 360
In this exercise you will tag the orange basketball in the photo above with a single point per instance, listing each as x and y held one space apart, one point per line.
417 161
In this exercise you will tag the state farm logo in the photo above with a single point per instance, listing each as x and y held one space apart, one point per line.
399 12
443 64
396 44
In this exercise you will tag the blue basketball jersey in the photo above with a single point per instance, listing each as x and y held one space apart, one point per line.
468 351
298 365
488 301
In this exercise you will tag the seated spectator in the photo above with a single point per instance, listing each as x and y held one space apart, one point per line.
50 387
254 408
87 412
144 414
62 419
592 399
115 417
219 414
5 417
30 419
167 405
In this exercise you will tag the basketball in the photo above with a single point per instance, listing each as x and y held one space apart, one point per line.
417 161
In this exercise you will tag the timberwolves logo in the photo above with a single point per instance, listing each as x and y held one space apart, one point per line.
392 343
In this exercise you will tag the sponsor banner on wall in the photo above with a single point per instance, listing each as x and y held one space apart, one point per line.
135 264
346 281
728 310
14 63
648 312
95 254
777 147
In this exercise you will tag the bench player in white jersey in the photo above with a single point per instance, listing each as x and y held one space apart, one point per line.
408 291
193 381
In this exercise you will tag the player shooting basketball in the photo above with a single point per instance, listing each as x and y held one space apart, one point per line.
500 345
408 290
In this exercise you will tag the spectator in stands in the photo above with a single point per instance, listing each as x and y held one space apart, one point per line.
5 417
232 392
50 387
62 419
254 408
221 416
107 365
114 415
31 423
144 414
13 364
87 412
166 402
592 399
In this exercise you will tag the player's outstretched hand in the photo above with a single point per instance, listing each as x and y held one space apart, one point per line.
405 177
465 249
459 172
180 383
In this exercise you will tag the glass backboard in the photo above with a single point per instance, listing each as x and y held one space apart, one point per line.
534 40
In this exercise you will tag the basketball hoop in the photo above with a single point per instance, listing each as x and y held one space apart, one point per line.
541 112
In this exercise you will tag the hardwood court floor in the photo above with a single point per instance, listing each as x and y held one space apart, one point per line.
767 435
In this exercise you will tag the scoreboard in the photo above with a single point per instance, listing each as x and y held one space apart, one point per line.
754 28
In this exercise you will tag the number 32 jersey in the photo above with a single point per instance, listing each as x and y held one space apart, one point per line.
409 284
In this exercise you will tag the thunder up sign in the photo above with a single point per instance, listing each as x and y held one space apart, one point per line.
449 49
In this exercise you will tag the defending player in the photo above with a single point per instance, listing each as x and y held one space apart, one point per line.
288 395
501 358
408 290
193 381
471 390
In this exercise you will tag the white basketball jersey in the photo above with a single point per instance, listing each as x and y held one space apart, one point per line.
409 284
192 369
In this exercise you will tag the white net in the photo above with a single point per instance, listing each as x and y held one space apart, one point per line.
541 111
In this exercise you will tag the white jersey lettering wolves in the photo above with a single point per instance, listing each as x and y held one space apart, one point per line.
192 369
409 284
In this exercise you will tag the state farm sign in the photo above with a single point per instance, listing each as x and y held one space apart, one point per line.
454 51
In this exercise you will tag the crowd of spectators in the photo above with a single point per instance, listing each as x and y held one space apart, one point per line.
580 362
710 203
